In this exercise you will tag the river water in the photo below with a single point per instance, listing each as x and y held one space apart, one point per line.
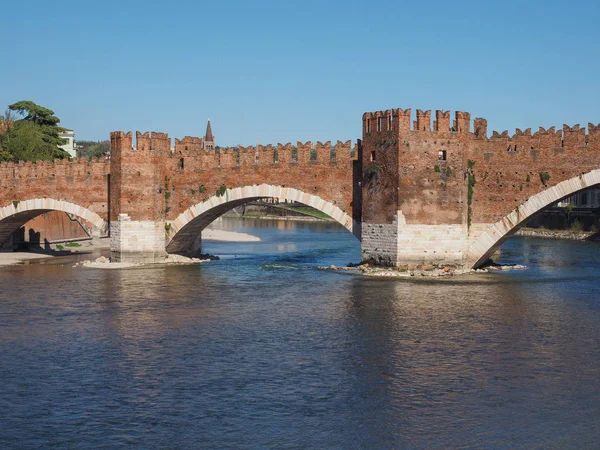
261 350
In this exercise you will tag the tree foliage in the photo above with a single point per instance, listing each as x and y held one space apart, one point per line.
92 149
33 137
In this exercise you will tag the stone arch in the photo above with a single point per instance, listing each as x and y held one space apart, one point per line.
16 214
187 227
484 245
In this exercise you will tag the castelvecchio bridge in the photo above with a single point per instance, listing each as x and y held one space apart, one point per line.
414 192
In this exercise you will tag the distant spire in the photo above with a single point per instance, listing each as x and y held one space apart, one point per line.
208 137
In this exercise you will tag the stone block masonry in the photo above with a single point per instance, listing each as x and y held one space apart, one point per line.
137 241
400 243
380 244
432 244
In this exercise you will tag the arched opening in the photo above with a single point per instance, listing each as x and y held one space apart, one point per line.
185 231
488 241
18 213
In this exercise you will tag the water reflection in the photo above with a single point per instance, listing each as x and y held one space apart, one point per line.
260 350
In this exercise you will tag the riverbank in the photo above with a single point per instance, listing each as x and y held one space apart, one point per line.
287 218
213 234
9 259
53 250
555 234
69 248
282 211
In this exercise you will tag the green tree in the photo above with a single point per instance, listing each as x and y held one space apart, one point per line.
33 137
7 120
92 149
4 155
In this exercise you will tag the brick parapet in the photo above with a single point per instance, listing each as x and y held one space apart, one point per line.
228 157
399 122
78 181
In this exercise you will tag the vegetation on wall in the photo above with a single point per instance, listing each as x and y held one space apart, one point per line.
470 188
221 191
544 177
381 165
372 170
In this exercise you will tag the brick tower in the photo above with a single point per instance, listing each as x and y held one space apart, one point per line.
414 188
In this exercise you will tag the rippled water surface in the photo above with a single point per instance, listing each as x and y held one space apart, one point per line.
261 350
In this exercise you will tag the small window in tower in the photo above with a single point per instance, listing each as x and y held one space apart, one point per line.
379 120
390 121
181 163
372 156
442 155
368 125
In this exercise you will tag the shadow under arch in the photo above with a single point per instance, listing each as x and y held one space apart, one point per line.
185 230
483 246
17 214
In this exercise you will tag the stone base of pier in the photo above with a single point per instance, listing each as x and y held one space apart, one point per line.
137 241
400 244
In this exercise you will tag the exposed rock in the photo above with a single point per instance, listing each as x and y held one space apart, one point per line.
423 271
105 263
555 234
507 267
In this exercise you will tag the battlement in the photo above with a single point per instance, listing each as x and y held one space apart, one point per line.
49 170
288 153
120 140
570 138
190 148
152 141
75 163
188 144
399 123
148 141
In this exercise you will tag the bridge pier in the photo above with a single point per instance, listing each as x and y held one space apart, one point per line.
417 188
400 244
137 241
196 248
96 235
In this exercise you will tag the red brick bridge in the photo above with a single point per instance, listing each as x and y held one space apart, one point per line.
414 192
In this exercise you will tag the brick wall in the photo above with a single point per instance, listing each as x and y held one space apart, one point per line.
82 182
150 182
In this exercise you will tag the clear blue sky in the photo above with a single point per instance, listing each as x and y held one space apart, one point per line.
281 71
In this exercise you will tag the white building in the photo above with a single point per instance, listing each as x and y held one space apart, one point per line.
69 147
